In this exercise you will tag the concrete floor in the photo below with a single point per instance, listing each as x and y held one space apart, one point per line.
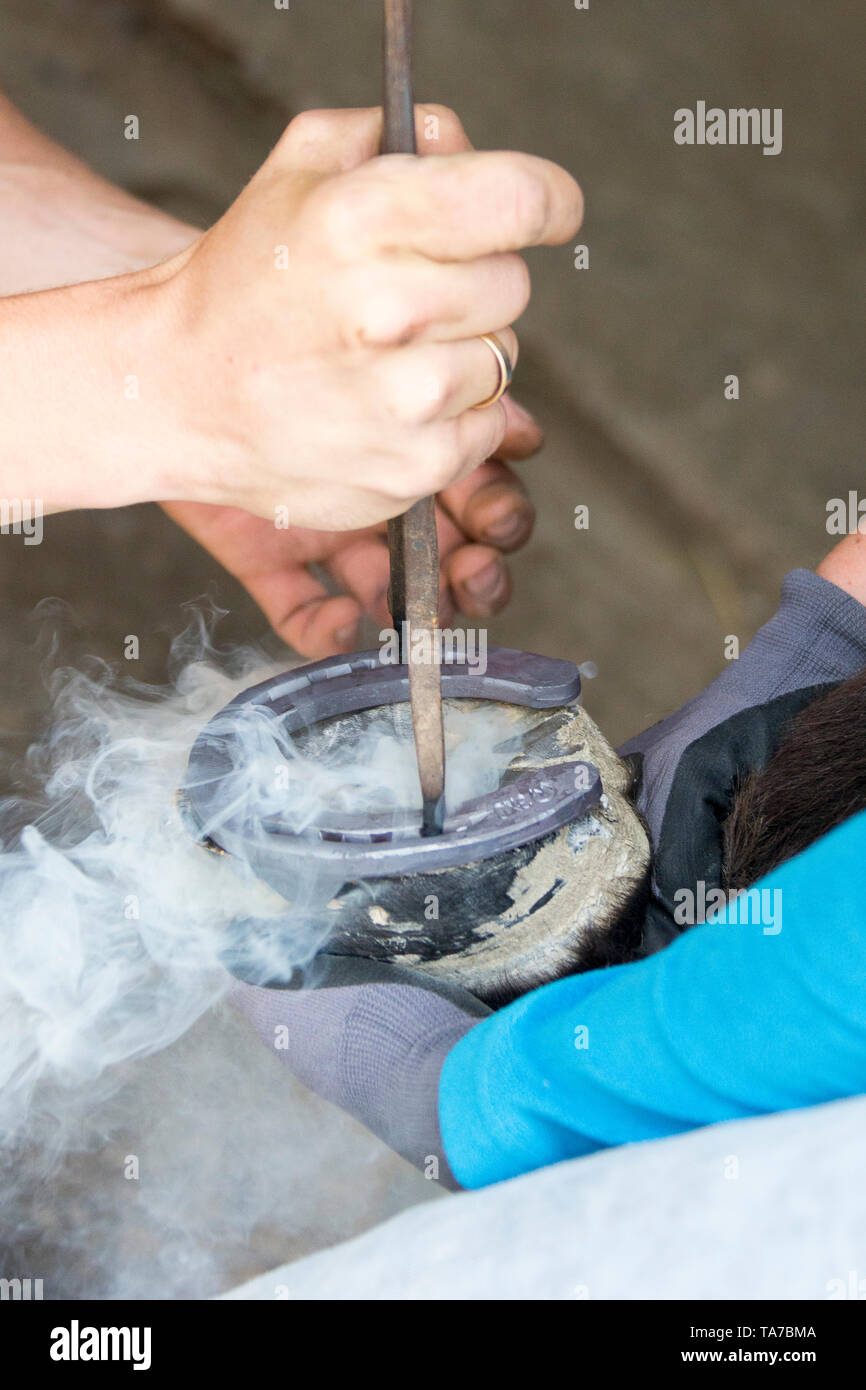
703 262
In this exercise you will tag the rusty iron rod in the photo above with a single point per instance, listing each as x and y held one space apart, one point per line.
412 539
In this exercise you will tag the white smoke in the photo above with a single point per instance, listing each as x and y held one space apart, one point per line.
369 764
113 916
114 920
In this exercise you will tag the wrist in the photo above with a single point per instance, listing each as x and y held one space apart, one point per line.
91 414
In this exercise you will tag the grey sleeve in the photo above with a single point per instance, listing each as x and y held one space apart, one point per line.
691 763
816 638
372 1039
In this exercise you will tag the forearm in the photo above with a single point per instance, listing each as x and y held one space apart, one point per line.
91 416
61 223
87 420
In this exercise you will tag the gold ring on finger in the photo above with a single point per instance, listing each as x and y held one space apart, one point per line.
506 370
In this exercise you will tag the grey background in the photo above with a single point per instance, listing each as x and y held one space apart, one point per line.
702 262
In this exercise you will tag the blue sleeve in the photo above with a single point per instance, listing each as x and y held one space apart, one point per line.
763 1008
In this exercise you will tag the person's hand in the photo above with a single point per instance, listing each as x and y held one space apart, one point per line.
479 519
321 348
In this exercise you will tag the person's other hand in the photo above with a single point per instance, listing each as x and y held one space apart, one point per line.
479 520
321 348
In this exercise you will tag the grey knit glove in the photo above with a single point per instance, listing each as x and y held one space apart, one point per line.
372 1039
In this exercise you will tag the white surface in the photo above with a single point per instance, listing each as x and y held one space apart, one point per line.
768 1208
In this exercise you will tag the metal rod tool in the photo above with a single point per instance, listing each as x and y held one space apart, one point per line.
412 539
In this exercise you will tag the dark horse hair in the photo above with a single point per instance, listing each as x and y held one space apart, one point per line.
815 780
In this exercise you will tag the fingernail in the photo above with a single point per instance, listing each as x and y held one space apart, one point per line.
487 581
507 527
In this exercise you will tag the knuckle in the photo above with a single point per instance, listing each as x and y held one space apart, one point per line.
402 487
351 212
402 470
427 400
307 128
441 460
383 318
331 210
372 204
411 393
422 401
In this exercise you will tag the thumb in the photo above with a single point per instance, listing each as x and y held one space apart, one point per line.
332 142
